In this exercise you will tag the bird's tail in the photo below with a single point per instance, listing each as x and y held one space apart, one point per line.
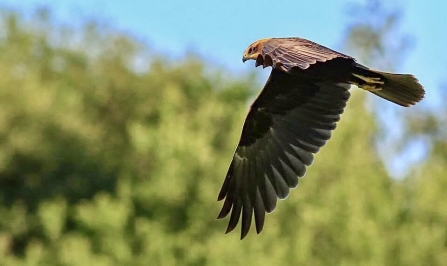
402 89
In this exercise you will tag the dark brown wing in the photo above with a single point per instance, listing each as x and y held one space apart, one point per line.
297 52
289 121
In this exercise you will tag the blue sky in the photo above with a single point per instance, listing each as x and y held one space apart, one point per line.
221 30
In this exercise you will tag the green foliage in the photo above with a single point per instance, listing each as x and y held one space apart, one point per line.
105 161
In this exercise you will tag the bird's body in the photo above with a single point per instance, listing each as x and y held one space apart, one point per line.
292 118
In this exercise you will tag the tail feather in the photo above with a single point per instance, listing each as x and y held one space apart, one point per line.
402 89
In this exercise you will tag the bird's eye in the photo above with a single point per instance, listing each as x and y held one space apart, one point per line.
251 50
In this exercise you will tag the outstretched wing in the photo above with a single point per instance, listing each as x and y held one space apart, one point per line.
298 52
289 121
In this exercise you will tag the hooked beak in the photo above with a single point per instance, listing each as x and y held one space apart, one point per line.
244 58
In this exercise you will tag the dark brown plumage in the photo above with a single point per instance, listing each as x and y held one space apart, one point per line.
292 119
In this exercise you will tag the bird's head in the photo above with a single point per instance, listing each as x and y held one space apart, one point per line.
254 50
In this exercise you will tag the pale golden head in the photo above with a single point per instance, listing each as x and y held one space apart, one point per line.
254 50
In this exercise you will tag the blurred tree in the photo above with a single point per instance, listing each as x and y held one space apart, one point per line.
95 150
375 38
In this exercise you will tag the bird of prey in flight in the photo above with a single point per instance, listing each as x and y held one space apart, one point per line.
292 118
